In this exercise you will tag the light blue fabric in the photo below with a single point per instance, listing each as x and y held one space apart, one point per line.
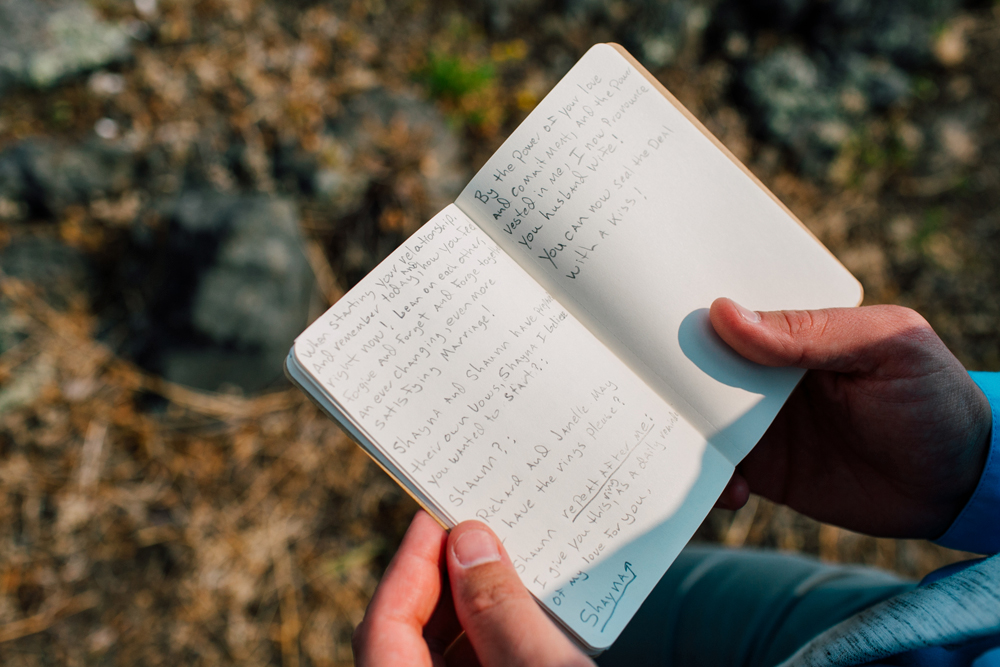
950 622
744 607
977 528
988 659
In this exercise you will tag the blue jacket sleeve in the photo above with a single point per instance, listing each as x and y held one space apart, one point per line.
977 528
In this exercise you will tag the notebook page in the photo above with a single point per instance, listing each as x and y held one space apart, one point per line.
627 213
496 404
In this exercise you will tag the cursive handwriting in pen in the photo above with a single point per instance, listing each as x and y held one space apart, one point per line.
609 601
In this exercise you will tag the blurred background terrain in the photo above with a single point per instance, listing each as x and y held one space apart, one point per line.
184 184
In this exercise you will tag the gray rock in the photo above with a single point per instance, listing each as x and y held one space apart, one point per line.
796 105
659 31
46 177
50 265
257 291
809 104
42 43
899 30
593 10
12 187
14 327
855 63
226 291
788 87
502 15
882 83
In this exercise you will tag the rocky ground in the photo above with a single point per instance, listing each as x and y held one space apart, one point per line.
184 183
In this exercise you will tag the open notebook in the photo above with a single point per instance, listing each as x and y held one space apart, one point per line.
538 356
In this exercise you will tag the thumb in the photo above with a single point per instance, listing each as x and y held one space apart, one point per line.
845 340
502 621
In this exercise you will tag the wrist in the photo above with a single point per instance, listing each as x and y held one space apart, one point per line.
973 525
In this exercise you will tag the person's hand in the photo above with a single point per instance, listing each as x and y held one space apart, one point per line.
439 584
886 435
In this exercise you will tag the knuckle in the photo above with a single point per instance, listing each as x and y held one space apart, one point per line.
907 319
905 324
897 343
909 334
801 328
797 322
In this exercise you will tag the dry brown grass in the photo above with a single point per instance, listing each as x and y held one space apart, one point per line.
206 529
146 523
